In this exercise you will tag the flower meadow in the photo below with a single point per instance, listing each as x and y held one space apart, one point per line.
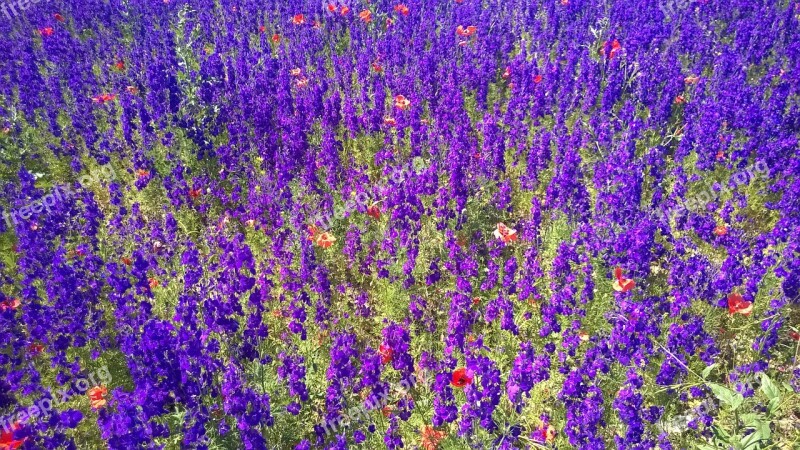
448 224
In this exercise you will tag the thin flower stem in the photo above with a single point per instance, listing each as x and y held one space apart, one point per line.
669 353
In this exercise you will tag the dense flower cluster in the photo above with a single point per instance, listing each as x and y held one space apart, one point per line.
540 218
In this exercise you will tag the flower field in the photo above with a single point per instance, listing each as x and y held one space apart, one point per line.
439 224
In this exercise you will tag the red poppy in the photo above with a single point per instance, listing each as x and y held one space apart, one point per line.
97 396
374 212
377 67
387 410
132 90
9 304
119 65
615 49
431 438
127 261
301 82
461 377
476 301
58 17
35 348
505 233
389 121
545 434
720 154
194 193
720 230
401 102
794 335
537 79
315 25
76 253
401 8
152 282
325 240
344 10
691 79
331 7
262 29
466 32
679 99
276 38
295 72
7 441
298 19
622 284
102 98
141 173
507 73
46 31
365 16
738 305
386 353
312 232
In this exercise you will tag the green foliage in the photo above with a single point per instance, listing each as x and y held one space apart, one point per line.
749 424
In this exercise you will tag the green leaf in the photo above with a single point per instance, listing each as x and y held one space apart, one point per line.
765 430
750 420
721 435
707 370
752 440
772 408
769 388
731 398
706 447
